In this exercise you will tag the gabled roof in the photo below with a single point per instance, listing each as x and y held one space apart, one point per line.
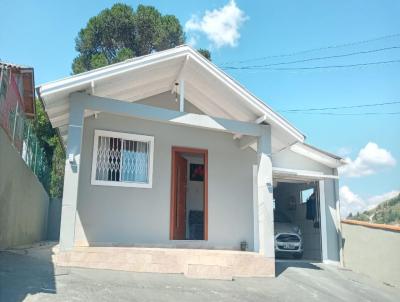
206 86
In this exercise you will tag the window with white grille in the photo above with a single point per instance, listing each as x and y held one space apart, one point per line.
122 159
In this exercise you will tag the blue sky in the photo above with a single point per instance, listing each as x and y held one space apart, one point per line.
42 33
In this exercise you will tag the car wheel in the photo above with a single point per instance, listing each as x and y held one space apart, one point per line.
298 255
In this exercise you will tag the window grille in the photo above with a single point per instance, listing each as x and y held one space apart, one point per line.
122 159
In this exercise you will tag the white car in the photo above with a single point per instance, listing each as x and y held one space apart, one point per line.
288 238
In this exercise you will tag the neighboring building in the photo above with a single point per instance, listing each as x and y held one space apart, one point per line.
166 150
23 198
17 97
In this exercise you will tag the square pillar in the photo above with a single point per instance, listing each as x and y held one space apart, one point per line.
264 185
71 176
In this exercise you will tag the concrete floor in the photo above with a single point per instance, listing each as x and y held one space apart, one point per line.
30 276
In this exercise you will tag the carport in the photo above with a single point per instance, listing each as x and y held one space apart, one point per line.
299 208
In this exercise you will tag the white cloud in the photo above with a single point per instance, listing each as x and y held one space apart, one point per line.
353 203
350 202
221 26
370 160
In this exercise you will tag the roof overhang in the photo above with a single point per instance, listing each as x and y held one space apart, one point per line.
318 155
206 86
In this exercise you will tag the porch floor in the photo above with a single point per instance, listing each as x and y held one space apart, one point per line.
193 263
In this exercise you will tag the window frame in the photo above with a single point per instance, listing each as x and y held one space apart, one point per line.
123 136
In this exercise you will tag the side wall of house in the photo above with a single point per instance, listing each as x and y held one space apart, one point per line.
290 160
126 216
23 200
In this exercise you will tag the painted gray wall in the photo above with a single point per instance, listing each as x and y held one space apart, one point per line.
374 252
119 215
311 236
332 219
54 219
23 200
167 100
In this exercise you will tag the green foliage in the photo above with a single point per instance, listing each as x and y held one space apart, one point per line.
98 60
360 217
387 212
123 54
120 33
53 148
205 52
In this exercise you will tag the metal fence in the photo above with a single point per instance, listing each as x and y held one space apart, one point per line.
20 129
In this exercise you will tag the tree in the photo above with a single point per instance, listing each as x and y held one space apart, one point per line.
205 53
51 143
120 33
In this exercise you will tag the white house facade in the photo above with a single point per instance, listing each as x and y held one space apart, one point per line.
166 152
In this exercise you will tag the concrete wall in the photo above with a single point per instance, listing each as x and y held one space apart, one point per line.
120 215
23 200
374 252
54 219
332 219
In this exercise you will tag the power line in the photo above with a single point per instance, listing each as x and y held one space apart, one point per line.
316 49
314 59
340 107
314 67
358 113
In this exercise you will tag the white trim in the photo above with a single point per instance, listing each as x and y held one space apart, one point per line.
127 136
300 174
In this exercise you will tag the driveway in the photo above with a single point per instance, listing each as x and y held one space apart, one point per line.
27 276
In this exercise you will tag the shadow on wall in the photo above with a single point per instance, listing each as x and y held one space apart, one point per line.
54 219
24 272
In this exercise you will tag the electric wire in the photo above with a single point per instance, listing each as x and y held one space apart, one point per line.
341 107
315 49
316 67
313 59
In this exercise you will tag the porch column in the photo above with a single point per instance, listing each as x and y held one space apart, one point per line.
71 176
264 195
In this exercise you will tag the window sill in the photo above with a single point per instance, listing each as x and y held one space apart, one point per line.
121 184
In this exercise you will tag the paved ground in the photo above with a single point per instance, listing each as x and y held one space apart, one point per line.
27 277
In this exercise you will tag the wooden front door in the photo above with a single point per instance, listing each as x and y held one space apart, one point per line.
180 197
178 192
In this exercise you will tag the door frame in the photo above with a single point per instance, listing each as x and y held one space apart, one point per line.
174 151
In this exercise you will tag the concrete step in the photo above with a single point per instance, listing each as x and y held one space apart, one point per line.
193 263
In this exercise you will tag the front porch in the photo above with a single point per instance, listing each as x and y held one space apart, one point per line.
193 263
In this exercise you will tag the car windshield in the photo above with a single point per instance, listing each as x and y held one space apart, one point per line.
280 217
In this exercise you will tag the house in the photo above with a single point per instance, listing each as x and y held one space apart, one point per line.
168 154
